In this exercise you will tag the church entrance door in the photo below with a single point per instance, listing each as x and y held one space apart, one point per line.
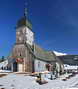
20 67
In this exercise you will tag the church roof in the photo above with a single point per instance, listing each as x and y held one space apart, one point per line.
38 53
24 22
44 55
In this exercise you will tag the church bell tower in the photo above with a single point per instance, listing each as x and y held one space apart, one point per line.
24 32
22 51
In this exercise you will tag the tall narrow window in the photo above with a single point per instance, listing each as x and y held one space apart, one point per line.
38 64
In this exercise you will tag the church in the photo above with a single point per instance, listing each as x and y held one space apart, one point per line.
26 55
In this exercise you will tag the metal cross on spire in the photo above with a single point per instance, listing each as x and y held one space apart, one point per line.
26 10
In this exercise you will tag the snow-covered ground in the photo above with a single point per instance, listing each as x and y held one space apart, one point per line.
4 71
21 81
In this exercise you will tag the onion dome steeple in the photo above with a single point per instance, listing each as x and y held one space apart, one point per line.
24 21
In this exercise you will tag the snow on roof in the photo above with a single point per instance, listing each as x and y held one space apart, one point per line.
59 54
70 67
4 63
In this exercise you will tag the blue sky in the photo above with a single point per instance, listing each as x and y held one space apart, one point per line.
55 24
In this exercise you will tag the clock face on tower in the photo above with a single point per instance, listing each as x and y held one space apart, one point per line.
18 33
25 35
19 36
